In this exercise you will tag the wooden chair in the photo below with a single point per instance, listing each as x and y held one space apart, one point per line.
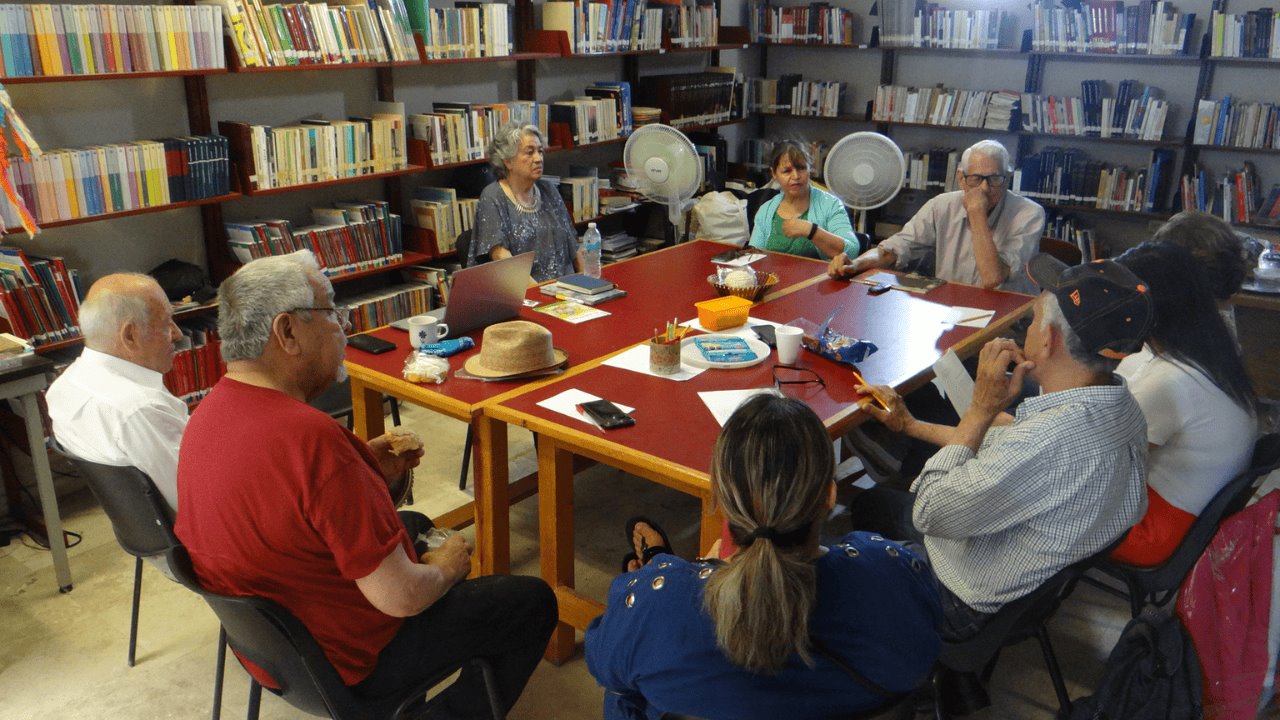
1064 251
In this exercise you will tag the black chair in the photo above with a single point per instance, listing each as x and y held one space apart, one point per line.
903 709
336 402
463 247
1022 619
1159 584
144 528
270 637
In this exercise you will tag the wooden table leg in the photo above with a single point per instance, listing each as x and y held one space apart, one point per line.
493 511
711 524
366 411
555 534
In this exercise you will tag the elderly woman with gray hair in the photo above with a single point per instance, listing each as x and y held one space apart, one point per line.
520 212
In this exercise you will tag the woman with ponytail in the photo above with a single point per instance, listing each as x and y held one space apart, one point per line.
784 627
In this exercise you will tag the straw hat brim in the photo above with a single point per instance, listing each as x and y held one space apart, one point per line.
474 366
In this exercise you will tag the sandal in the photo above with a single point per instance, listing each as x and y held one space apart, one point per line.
648 552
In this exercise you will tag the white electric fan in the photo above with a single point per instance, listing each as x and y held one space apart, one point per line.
665 167
865 170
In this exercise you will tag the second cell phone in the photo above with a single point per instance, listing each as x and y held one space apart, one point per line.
606 414
370 344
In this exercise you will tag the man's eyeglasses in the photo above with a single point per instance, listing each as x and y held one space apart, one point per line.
995 181
792 375
341 313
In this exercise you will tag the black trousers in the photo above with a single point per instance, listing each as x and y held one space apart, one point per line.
505 620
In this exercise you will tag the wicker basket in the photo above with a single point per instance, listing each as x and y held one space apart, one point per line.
754 293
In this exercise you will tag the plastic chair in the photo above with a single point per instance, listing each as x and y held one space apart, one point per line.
1159 584
463 247
270 637
140 518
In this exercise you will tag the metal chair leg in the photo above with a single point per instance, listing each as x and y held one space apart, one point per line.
1055 672
395 410
466 458
137 600
255 700
491 689
218 673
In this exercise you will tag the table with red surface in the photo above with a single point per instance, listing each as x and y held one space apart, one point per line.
672 440
660 285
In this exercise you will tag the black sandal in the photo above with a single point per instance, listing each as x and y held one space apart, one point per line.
648 552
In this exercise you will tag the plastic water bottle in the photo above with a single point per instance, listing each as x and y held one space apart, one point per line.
591 251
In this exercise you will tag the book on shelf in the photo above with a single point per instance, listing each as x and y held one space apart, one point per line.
1112 27
349 237
1252 34
818 23
594 27
1138 111
581 197
790 95
910 23
317 150
1069 177
756 153
1235 196
933 169
339 31
442 216
1065 227
1233 123
596 117
461 132
197 362
468 30
692 25
56 40
61 185
938 105
39 296
384 306
702 98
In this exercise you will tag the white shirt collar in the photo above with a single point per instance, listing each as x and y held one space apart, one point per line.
119 366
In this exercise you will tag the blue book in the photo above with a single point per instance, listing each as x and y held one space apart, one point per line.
585 284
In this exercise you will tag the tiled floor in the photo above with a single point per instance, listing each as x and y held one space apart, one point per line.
63 656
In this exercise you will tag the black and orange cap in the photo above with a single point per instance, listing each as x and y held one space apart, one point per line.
1107 306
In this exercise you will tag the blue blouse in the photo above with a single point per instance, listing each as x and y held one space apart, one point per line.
654 649
825 209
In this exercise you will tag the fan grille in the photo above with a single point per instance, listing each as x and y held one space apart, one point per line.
663 164
865 170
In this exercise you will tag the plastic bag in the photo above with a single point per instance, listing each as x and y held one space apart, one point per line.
420 367
722 217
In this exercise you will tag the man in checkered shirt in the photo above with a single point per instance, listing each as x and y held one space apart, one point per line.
1010 500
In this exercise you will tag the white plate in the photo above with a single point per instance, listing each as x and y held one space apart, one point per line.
1265 288
691 355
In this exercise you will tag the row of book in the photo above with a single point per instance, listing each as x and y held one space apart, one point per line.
53 40
701 98
318 150
1110 26
470 30
581 195
1231 123
1065 227
906 23
756 153
443 216
618 245
1235 196
39 296
307 33
384 306
347 238
197 364
788 96
1137 111
1254 34
601 114
933 169
1069 177
461 132
991 109
594 28
696 25
68 184
817 23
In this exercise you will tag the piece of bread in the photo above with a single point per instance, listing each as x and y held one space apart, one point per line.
403 441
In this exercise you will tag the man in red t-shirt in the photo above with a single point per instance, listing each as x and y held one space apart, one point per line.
280 502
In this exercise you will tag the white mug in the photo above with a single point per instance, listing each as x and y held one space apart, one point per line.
425 330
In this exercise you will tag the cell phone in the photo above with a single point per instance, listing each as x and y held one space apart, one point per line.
606 414
765 333
370 344
879 289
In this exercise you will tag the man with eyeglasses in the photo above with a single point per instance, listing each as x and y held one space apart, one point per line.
279 501
979 235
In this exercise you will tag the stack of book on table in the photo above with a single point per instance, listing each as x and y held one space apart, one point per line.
584 289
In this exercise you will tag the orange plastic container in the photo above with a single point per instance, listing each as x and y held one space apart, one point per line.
723 312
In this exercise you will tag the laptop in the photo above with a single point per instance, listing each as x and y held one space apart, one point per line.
483 295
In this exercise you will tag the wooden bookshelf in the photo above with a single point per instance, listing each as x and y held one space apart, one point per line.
990 53
1171 143
843 117
303 67
137 211
955 128
1136 214
1236 149
408 258
514 57
30 79
407 170
1119 57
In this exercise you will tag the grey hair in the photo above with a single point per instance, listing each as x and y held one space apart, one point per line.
1214 243
251 298
103 314
990 148
1051 314
506 143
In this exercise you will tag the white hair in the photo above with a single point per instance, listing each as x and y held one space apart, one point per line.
250 299
506 144
102 314
991 149
1051 314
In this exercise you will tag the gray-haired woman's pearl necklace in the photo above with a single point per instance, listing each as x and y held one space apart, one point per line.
529 207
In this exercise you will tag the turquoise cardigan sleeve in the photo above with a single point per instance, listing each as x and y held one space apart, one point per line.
764 222
827 210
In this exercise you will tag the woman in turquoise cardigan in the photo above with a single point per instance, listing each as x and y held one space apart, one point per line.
802 220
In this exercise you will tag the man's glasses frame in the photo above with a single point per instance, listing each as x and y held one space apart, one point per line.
340 313
995 181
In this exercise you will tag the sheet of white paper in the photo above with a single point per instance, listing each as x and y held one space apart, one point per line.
722 403
566 404
743 331
741 261
961 316
956 384
637 360
531 303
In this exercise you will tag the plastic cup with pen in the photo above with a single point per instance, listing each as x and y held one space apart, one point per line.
664 349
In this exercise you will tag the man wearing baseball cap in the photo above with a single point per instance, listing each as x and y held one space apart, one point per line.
1010 500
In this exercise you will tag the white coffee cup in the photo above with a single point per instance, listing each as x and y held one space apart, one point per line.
787 338
425 330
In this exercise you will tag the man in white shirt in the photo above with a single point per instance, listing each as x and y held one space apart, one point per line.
980 235
110 406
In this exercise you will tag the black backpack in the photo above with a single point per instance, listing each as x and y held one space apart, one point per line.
1153 673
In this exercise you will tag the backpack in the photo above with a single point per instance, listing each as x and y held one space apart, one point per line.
1152 673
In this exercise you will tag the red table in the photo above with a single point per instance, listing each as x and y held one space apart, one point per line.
672 439
659 286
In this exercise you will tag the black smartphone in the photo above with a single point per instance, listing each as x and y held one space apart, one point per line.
606 414
879 289
765 333
370 344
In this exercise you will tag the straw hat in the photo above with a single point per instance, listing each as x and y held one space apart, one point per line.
514 348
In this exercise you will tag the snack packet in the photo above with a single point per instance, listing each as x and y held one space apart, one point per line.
420 367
